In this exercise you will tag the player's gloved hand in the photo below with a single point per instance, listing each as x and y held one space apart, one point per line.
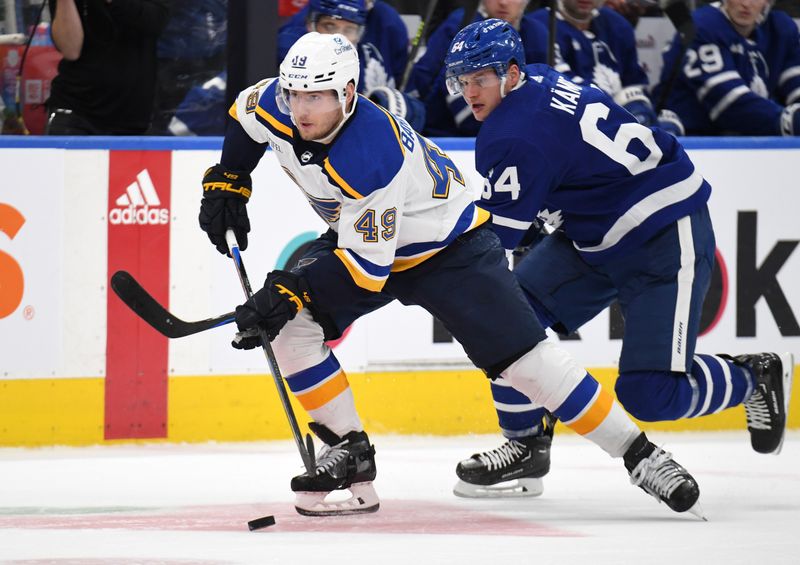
790 120
670 122
635 101
400 104
224 206
284 295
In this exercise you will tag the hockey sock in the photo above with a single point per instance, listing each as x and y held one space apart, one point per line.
719 384
323 390
517 415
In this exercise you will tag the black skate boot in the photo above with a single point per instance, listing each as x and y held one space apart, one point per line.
767 409
343 463
654 471
515 469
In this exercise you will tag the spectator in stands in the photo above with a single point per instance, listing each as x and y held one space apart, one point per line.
447 115
382 29
106 81
380 61
191 53
740 75
599 46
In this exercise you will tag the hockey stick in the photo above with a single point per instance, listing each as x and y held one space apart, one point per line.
551 33
148 309
416 42
307 449
680 15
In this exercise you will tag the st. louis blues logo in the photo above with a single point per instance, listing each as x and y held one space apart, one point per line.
328 209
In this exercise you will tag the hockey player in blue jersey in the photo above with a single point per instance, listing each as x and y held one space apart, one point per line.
631 224
382 40
447 115
402 223
740 75
599 46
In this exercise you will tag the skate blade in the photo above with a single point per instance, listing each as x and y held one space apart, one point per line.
518 488
787 364
697 510
364 500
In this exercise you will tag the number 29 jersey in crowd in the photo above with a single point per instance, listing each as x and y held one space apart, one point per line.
393 197
569 156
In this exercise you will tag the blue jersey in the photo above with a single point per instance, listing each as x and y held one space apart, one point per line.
447 115
385 41
570 156
604 55
202 111
730 84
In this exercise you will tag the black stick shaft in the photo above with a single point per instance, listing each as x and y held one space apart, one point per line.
306 455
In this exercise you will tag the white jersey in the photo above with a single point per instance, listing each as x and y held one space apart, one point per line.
394 198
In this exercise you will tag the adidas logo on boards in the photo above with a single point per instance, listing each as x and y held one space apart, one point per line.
140 205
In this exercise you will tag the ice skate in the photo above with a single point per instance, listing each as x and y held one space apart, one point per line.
343 464
654 471
515 469
768 408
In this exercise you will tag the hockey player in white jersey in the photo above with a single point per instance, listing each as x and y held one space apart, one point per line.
740 75
630 220
402 224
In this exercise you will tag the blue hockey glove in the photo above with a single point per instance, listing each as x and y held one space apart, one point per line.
284 295
635 101
790 120
670 122
224 206
400 104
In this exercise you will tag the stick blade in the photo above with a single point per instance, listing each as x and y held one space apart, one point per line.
145 306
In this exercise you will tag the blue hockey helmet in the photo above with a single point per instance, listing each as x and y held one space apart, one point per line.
351 10
489 43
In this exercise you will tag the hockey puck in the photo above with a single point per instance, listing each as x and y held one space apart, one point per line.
260 523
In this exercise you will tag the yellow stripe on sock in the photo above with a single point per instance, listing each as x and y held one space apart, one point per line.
323 394
595 415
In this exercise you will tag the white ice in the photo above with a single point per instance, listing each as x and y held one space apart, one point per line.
189 504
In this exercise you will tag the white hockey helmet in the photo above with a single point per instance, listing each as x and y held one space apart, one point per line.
318 62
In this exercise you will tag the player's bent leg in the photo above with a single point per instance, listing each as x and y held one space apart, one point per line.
550 377
346 460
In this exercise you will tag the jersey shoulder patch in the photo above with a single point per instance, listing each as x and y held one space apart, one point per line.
359 172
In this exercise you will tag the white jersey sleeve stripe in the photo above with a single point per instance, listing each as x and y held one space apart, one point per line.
727 100
645 208
510 222
793 96
716 80
789 73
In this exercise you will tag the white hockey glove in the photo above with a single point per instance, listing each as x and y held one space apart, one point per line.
790 120
635 101
670 122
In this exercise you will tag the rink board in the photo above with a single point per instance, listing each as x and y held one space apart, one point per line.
77 368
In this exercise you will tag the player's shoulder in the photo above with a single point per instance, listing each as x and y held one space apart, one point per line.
368 153
531 24
258 103
541 15
512 124
782 24
614 19
383 14
711 24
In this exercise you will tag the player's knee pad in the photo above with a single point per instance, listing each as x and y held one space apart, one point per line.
300 345
652 396
546 374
